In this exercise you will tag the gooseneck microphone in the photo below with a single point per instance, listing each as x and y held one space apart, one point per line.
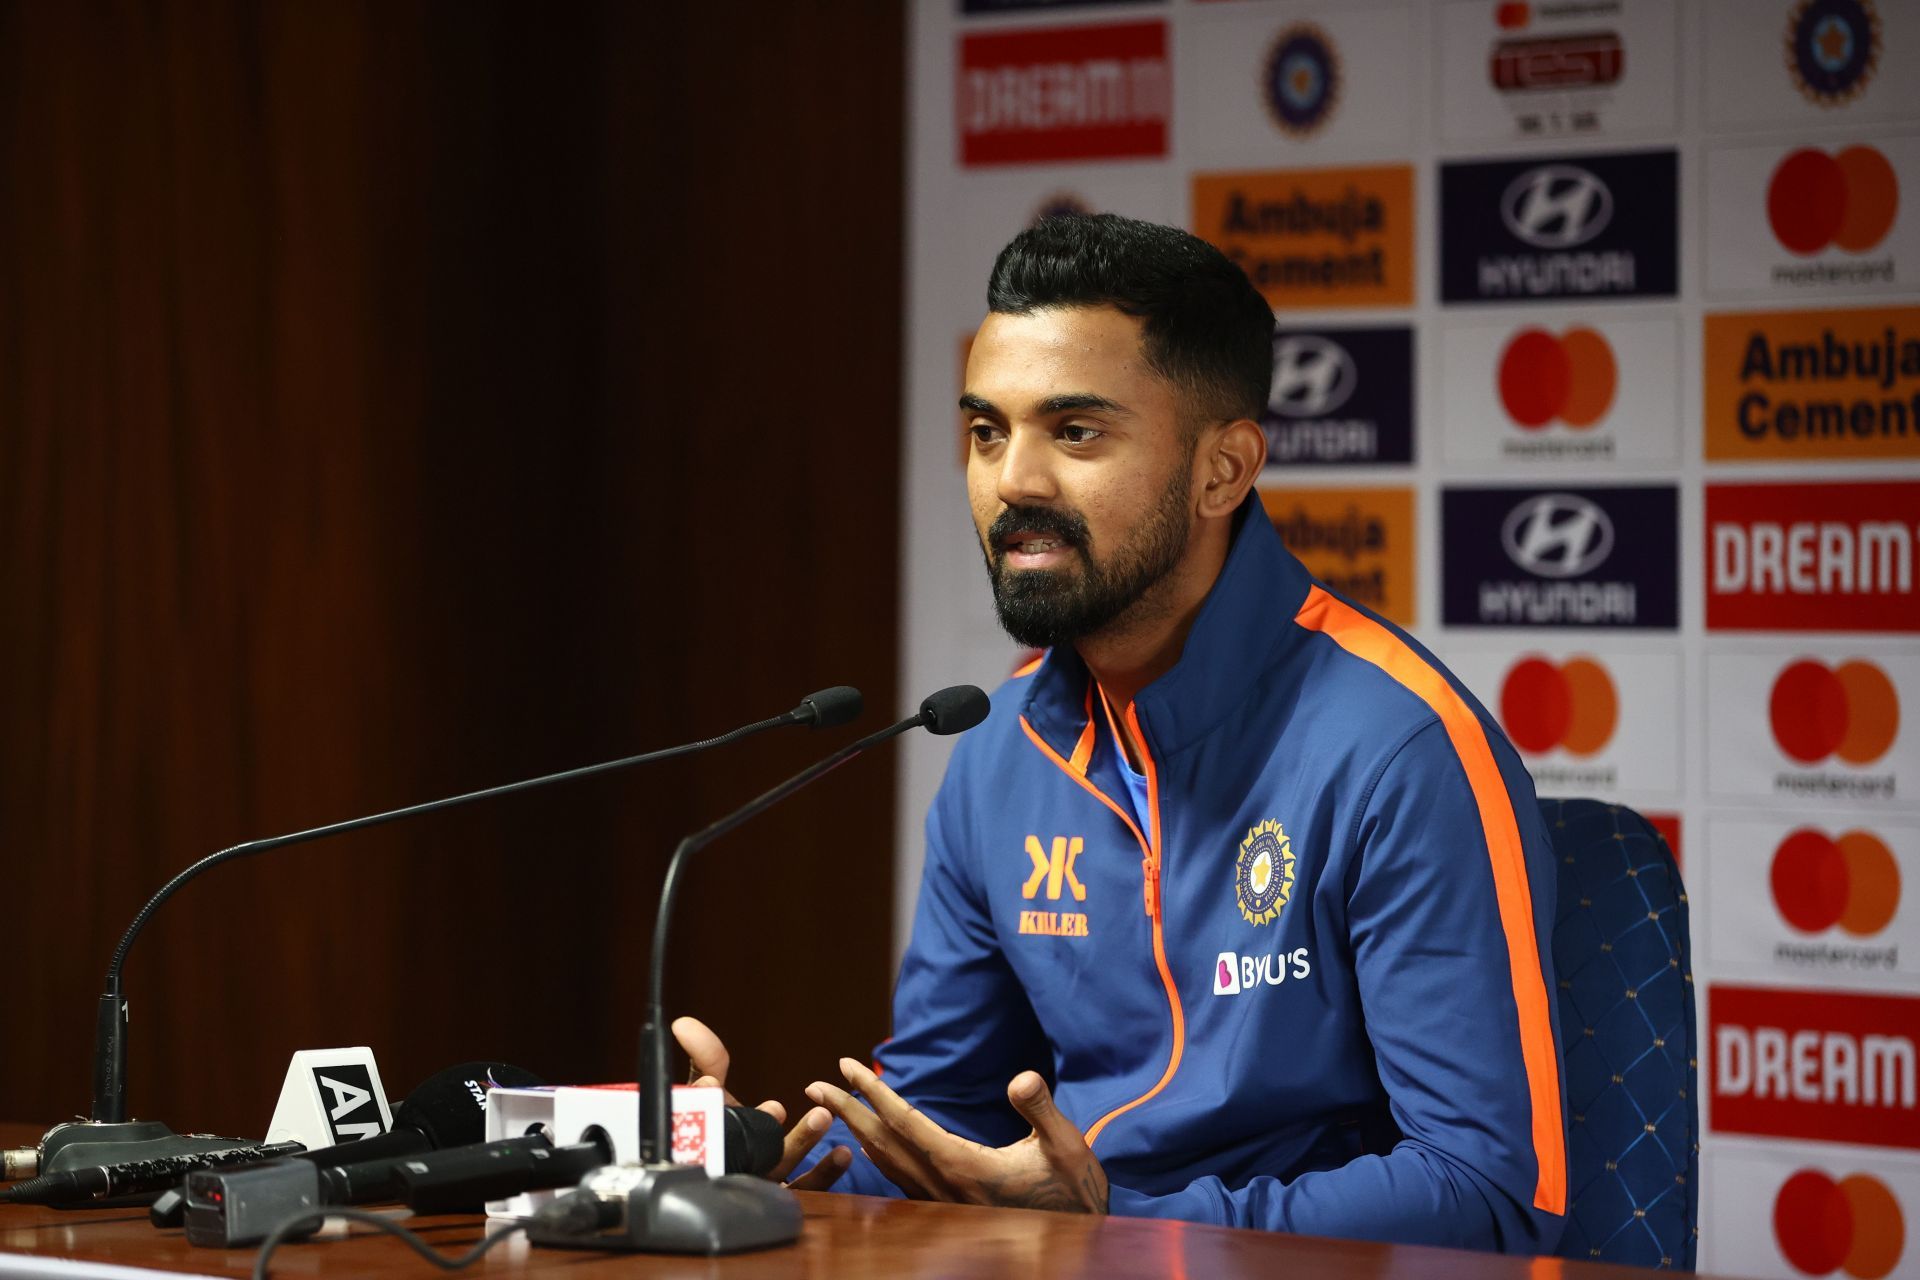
661 1207
952 710
825 709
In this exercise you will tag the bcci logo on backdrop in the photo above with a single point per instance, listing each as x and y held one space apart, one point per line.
1341 396
1301 79
1263 874
1832 49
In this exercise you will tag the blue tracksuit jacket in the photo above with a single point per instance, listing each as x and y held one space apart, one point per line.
1308 990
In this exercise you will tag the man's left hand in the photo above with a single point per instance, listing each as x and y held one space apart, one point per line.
1050 1168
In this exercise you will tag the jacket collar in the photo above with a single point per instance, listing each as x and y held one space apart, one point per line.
1244 619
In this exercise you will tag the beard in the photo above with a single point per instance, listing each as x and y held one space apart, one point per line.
1042 608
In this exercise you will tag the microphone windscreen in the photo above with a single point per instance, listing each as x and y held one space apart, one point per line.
831 707
754 1141
955 709
450 1106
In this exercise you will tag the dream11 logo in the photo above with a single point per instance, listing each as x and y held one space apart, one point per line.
1852 1225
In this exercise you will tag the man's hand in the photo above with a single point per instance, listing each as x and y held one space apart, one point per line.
710 1062
1051 1168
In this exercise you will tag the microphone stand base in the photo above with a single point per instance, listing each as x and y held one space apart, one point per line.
81 1144
681 1209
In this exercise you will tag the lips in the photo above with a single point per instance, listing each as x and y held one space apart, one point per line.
1028 549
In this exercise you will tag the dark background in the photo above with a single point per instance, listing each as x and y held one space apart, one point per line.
398 399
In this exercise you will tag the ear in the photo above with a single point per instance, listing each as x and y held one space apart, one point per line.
1231 457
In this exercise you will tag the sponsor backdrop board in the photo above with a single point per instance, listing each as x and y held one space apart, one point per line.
1598 368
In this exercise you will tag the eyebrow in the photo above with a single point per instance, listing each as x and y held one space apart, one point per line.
1073 402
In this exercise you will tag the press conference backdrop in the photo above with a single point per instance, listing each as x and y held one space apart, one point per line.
1599 368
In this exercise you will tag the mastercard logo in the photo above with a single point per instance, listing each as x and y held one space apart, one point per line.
1570 378
1572 705
1850 711
1853 1225
1847 201
1819 882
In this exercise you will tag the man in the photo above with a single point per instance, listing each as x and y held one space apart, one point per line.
1237 907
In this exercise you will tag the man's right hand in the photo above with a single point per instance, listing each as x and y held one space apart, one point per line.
710 1063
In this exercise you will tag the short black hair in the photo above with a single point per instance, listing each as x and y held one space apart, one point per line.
1208 331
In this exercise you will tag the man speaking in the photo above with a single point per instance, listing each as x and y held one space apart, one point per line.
1237 908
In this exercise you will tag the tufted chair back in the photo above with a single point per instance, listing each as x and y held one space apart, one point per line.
1625 968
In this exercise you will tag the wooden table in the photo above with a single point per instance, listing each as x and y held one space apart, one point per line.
845 1235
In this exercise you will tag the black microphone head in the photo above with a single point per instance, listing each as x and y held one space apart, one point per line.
955 709
830 707
754 1142
450 1107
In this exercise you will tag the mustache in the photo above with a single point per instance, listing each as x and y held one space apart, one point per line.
1068 526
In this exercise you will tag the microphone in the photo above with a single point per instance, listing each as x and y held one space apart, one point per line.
661 1207
448 1109
133 1181
108 1123
463 1179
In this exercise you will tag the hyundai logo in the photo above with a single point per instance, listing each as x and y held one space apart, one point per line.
1556 206
1557 535
1312 376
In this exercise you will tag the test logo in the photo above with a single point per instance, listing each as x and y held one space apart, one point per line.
1572 706
1819 882
1851 711
1848 201
1570 378
1853 1225
1556 206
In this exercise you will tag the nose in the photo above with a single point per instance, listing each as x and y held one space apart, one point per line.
1026 470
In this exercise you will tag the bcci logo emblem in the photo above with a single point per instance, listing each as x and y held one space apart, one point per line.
1301 79
1833 49
1263 876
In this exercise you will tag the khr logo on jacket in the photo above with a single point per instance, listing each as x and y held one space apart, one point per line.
1054 868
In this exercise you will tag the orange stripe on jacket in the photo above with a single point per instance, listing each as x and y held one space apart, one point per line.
1370 642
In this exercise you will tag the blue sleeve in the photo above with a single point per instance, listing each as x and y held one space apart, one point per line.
962 1024
1437 992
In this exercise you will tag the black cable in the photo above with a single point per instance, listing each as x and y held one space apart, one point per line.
310 1218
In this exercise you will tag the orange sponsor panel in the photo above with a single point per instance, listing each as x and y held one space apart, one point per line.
1812 384
1312 238
1357 541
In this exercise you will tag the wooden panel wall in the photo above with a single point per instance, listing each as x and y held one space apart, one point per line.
401 398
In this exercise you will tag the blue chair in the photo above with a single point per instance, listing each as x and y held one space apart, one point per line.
1625 969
